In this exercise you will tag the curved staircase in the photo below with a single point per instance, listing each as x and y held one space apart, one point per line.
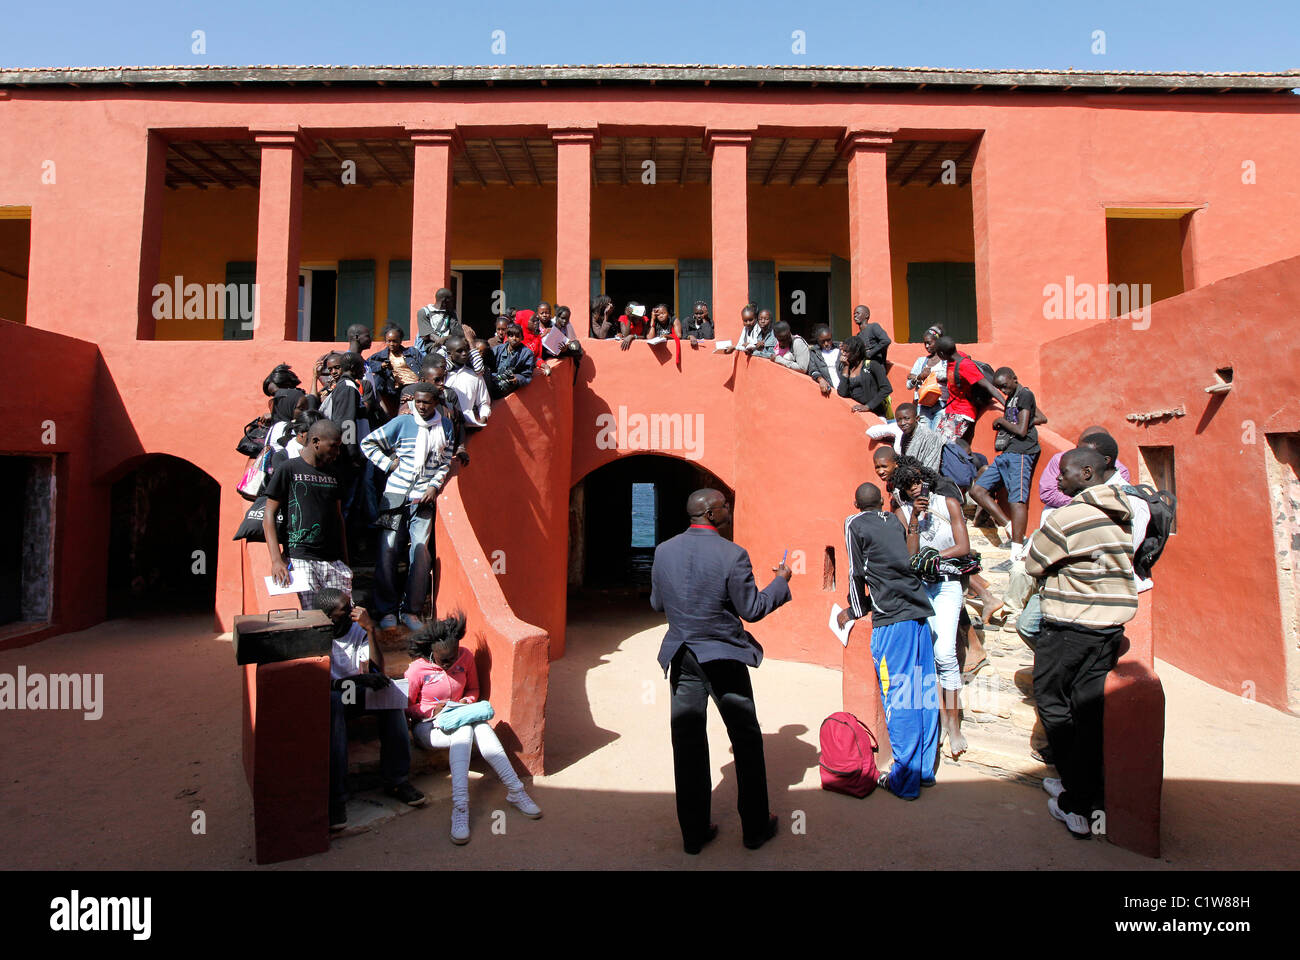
998 702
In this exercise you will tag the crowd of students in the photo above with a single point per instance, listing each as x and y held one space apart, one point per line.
356 457
352 464
1073 582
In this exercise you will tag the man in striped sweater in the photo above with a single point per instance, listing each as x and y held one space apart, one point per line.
415 451
1085 552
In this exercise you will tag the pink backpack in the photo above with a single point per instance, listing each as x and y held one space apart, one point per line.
848 761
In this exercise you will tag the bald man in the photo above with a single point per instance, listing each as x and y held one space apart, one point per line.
705 584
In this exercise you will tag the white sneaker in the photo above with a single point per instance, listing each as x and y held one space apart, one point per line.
524 804
1076 823
1053 787
460 825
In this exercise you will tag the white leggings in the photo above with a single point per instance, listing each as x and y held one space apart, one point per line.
946 598
460 742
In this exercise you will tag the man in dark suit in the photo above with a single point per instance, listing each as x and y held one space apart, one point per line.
705 584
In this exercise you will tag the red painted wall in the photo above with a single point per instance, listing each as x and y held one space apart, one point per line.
60 409
511 655
1216 602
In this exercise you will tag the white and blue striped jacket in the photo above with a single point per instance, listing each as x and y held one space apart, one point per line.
394 444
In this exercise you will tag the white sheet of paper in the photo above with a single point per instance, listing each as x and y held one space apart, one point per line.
297 584
391 697
721 346
841 635
654 340
554 339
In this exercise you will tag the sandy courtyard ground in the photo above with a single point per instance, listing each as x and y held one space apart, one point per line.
119 792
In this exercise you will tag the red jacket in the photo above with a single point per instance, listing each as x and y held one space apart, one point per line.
531 340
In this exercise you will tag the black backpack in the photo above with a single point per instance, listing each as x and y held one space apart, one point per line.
979 396
1164 510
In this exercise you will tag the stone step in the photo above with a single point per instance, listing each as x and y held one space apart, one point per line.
363 764
1001 753
369 807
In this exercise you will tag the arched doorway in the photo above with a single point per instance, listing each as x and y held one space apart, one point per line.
618 513
162 548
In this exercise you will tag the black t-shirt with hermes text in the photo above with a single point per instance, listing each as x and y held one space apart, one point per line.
310 497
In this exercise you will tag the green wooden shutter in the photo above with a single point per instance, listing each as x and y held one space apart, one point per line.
243 273
356 296
762 284
942 293
961 323
522 282
595 281
399 294
694 282
927 297
841 298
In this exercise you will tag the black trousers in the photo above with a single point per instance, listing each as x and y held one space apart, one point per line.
1070 667
727 682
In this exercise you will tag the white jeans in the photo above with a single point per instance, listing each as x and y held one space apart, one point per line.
946 598
460 742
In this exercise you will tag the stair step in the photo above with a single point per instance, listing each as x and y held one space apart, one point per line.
396 658
363 763
1002 753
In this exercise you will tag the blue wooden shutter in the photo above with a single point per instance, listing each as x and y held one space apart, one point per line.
694 282
841 301
243 273
356 296
399 294
762 284
522 282
595 281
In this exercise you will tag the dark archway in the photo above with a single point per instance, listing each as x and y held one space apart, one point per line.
621 511
162 548
617 514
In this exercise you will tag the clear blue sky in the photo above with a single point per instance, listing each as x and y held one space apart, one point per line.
1241 35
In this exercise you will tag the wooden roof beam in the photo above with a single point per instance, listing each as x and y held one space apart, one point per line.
921 166
804 162
473 167
501 160
780 152
383 169
956 164
528 155
361 181
220 181
199 144
902 157
182 173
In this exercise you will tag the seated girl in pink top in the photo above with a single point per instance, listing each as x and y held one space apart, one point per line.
443 672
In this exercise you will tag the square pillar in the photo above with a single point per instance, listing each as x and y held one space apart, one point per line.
279 233
871 278
435 151
729 152
155 185
573 149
